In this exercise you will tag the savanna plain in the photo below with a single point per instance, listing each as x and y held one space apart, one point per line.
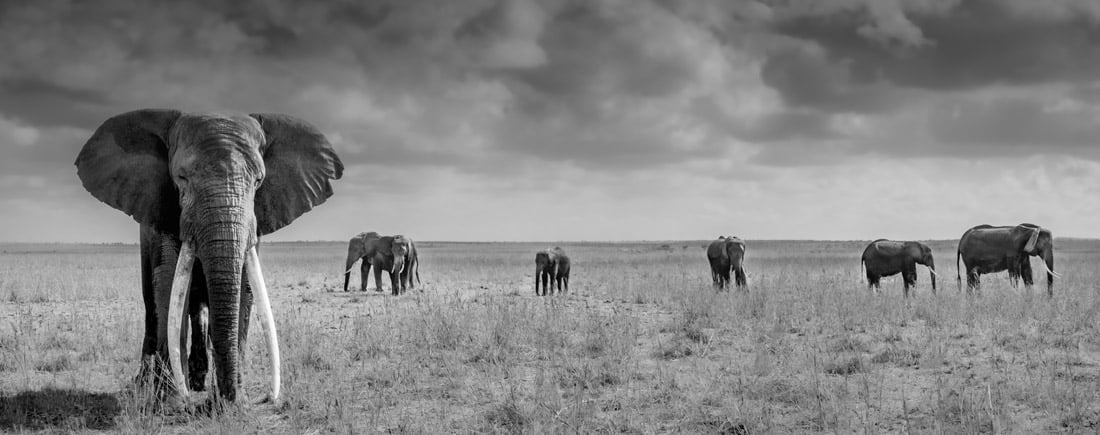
641 344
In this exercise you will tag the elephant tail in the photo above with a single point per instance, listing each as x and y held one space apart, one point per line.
416 269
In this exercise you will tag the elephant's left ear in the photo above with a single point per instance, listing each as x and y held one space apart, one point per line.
300 165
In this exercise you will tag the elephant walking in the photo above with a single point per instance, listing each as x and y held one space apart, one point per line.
726 254
204 188
394 254
551 267
888 257
989 249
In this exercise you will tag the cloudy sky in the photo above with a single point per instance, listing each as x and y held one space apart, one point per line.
589 120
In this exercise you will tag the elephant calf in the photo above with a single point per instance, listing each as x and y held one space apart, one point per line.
888 257
551 266
727 254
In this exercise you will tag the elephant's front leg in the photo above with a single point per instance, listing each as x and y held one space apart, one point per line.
364 272
148 368
395 283
377 275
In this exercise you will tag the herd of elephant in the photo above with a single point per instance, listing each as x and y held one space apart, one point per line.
204 187
982 249
396 255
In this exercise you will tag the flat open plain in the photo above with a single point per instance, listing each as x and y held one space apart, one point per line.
641 344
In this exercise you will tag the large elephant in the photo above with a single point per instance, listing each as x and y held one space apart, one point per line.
990 249
726 254
204 188
551 267
887 257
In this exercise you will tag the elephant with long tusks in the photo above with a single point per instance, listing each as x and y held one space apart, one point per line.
204 188
989 249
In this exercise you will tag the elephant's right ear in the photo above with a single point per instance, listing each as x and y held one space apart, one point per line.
125 165
1034 238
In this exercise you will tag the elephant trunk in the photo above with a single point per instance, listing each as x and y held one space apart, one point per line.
932 274
398 264
347 269
221 231
221 249
1048 262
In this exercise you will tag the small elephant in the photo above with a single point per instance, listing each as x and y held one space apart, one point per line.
726 254
551 267
204 188
990 249
888 257
394 254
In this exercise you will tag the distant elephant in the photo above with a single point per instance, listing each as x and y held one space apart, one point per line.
726 254
551 267
887 257
989 249
397 256
204 188
362 246
394 254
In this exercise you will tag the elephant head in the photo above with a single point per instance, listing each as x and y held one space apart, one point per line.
922 254
1036 241
400 249
734 247
218 182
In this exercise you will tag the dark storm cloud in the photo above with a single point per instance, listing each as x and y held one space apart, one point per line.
959 45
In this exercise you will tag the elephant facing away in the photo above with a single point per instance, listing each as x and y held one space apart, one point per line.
551 267
989 249
888 257
394 254
204 187
727 254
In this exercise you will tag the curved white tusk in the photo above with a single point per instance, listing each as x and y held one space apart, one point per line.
933 271
181 286
267 319
1056 275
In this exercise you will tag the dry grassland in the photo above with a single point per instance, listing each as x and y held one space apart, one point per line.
642 344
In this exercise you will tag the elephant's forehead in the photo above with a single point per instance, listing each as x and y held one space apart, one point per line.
196 127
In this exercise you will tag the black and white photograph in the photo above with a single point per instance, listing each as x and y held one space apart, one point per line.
550 216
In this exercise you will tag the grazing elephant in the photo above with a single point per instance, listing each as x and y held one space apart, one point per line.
887 257
204 188
725 254
990 249
551 267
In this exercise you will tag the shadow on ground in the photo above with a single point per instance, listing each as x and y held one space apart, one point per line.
58 409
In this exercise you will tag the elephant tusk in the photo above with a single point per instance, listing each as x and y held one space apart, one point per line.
181 286
267 320
1056 275
933 271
